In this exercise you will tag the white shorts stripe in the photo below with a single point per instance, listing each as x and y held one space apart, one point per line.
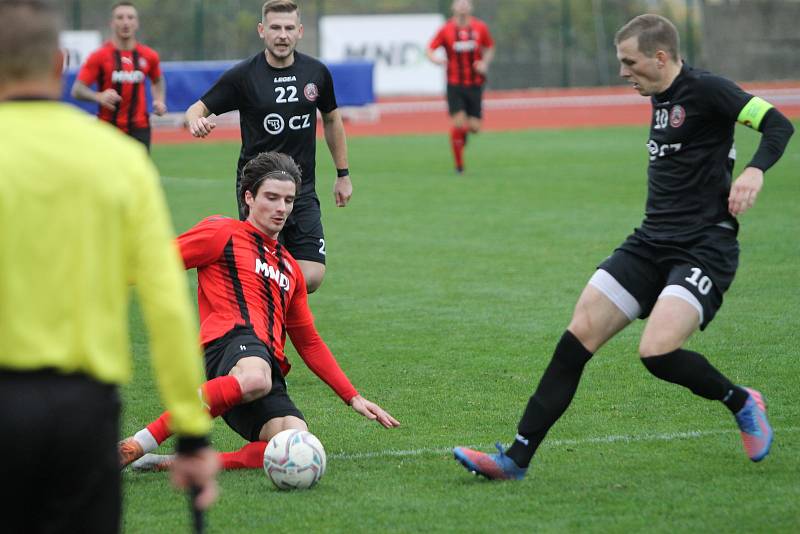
683 293
608 286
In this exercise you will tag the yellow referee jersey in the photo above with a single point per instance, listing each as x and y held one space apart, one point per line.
82 216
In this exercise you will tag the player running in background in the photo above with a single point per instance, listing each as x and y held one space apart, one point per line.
251 294
677 265
77 227
119 69
470 50
278 92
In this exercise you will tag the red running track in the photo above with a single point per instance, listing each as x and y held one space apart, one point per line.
511 110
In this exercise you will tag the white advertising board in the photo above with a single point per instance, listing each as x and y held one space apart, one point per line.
77 45
396 44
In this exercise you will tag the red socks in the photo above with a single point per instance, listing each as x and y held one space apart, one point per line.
219 394
251 456
458 138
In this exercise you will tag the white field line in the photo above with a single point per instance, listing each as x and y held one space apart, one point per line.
775 96
671 436
193 180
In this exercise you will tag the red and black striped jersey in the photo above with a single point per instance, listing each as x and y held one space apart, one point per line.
245 278
464 46
124 71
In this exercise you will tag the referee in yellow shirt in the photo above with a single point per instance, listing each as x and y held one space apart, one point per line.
82 216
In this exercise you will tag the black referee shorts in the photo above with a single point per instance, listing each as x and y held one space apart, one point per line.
703 264
247 419
60 469
466 99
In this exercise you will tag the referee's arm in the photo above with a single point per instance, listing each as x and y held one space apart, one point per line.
163 293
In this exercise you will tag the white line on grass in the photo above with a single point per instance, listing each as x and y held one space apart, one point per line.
191 180
670 436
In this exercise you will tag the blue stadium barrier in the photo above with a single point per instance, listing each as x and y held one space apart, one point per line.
187 81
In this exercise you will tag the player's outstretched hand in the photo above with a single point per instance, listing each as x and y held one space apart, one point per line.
198 469
109 99
342 191
370 410
745 190
159 107
201 127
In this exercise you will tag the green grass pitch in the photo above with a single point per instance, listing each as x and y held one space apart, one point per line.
443 300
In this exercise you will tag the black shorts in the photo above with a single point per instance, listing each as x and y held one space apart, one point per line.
142 135
303 235
247 419
60 468
704 264
467 99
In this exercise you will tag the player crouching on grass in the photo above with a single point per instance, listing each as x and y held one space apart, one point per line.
251 293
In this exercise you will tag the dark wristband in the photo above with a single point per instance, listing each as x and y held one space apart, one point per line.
188 445
341 173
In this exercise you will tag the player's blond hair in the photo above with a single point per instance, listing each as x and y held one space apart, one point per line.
279 6
654 33
29 39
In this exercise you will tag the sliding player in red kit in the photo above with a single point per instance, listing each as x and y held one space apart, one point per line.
470 49
251 293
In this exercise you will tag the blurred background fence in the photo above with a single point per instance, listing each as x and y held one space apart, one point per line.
540 43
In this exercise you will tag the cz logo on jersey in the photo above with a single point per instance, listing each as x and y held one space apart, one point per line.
274 123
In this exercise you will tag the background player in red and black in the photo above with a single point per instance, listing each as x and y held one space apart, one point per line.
278 93
470 49
119 70
677 265
251 294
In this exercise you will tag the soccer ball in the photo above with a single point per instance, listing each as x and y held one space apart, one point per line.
294 459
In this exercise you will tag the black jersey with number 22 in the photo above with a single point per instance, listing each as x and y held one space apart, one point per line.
277 108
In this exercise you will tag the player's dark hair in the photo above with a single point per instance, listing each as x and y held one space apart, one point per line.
654 32
29 38
279 6
267 166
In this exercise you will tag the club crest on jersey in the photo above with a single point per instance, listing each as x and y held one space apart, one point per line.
311 92
142 63
267 270
676 116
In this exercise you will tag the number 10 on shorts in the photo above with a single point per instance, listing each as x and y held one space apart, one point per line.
703 284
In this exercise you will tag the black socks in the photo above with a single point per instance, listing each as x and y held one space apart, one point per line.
552 397
560 381
692 370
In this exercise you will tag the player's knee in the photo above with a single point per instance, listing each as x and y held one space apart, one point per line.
584 330
650 346
255 381
313 283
